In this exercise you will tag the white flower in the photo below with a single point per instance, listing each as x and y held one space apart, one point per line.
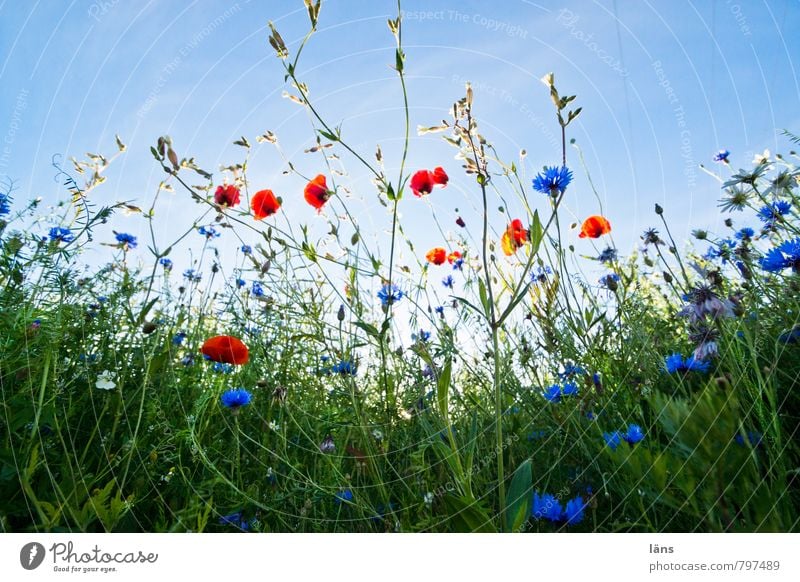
377 434
428 498
105 381
273 425
762 158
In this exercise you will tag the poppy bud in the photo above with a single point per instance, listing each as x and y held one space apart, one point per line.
659 210
667 277
728 222
340 314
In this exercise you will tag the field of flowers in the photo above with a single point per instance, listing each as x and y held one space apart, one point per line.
309 383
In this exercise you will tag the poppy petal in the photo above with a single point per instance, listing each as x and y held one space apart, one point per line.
225 349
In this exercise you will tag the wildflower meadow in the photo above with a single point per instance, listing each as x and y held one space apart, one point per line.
285 363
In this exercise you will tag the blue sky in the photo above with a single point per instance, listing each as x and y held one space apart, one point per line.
663 85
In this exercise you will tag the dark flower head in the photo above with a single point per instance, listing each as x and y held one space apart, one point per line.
227 195
192 275
345 496
166 263
553 180
327 445
246 249
448 281
745 233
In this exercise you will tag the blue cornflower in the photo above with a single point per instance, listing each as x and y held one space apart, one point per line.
722 156
343 496
676 363
571 369
236 520
257 290
440 310
125 240
546 506
553 393
785 255
5 204
422 336
235 399
458 264
609 281
634 434
608 255
166 263
536 435
448 281
553 180
722 251
791 336
240 283
247 249
612 439
222 368
209 232
390 294
745 233
178 338
344 368
753 437
569 389
61 234
770 213
187 360
192 275
540 274
573 511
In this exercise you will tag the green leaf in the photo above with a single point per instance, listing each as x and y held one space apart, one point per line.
443 389
484 298
328 135
467 515
367 327
518 502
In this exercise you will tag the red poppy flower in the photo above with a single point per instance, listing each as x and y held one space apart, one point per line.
437 256
226 349
317 193
423 181
453 257
594 227
514 237
440 176
227 195
264 203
